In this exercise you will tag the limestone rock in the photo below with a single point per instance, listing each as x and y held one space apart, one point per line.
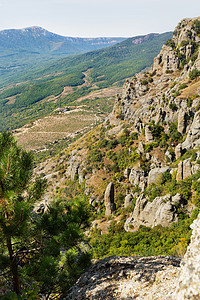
74 165
182 119
109 200
148 134
154 174
178 151
137 177
163 211
189 280
128 200
127 172
184 170
127 278
193 136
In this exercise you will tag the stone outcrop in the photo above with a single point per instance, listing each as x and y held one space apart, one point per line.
162 211
193 136
128 278
148 135
128 200
155 173
189 280
185 169
137 177
109 200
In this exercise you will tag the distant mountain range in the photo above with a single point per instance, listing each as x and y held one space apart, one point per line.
38 40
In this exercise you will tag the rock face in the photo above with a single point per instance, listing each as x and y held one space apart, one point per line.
155 173
189 281
128 278
109 200
128 200
163 211
193 136
137 177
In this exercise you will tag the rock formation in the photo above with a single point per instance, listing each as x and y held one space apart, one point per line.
189 280
109 200
162 211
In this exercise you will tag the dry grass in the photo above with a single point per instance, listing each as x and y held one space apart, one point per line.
190 91
49 129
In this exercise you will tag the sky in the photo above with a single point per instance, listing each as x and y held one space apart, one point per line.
94 18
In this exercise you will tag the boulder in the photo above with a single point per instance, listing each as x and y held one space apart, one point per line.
184 170
109 200
154 174
162 211
178 151
128 200
148 134
137 177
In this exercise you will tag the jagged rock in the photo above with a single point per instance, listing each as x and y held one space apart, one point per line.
182 118
74 165
127 172
127 278
81 175
128 200
163 211
169 157
154 174
184 170
179 175
178 151
189 280
137 177
141 147
109 200
148 134
167 60
148 156
193 136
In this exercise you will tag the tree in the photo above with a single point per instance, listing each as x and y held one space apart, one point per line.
36 246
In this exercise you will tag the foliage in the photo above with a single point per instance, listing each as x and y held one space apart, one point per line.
194 74
143 242
31 242
170 43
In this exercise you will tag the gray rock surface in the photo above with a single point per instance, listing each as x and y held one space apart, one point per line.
161 211
128 200
128 278
155 173
189 280
109 200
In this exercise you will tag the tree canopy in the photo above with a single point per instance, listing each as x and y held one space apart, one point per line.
37 248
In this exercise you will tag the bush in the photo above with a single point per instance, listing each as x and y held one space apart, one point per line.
194 74
170 43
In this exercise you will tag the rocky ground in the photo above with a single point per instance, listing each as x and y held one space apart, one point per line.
128 278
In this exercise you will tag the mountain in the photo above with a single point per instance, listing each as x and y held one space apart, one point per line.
80 75
38 40
140 172
22 50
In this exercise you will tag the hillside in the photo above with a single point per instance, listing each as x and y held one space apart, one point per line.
86 79
140 169
137 174
32 47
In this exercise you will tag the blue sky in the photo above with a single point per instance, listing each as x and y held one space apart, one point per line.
90 18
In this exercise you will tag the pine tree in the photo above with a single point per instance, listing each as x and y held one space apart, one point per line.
36 246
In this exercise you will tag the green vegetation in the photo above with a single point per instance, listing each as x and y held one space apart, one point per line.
31 259
194 74
143 242
105 68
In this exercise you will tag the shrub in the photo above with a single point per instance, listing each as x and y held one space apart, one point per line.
194 74
170 43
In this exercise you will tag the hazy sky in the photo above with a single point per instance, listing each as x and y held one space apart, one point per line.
90 18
